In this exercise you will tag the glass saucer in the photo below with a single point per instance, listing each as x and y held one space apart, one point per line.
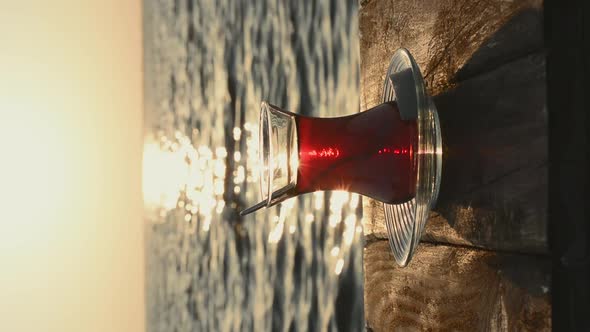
405 222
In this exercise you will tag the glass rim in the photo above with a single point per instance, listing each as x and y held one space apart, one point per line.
274 197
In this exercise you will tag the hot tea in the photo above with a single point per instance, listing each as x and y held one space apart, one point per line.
370 153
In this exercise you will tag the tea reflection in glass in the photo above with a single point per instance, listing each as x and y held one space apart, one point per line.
371 153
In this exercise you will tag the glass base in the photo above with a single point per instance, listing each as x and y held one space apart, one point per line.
405 222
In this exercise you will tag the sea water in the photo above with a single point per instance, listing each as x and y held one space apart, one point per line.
208 66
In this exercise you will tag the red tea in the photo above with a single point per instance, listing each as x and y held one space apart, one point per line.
371 153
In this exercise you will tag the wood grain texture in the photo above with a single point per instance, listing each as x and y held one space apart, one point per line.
450 39
456 289
484 60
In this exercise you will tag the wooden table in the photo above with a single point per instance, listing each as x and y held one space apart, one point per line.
483 263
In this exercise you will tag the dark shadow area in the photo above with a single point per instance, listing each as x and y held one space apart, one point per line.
520 36
494 127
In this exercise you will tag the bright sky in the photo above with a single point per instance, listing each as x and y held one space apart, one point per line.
71 236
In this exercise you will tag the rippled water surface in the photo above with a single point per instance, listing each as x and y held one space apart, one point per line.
208 65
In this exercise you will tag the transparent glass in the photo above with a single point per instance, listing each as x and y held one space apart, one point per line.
391 153
278 153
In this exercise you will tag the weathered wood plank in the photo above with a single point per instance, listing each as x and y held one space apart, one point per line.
493 115
484 61
456 289
450 39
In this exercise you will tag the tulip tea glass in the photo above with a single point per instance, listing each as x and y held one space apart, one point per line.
391 153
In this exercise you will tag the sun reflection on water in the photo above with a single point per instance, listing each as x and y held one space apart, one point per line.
191 179
176 174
